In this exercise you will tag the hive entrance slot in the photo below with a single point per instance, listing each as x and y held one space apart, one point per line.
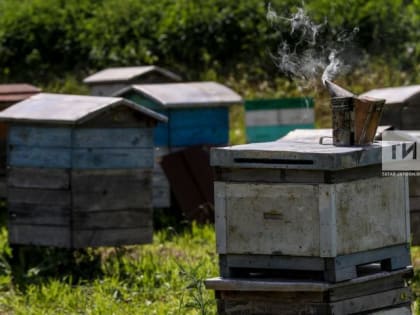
273 161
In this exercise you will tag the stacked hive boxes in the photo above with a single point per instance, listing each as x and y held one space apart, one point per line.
79 171
316 212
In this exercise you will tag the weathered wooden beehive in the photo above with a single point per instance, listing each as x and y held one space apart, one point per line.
108 81
305 206
9 95
79 171
402 106
373 293
198 114
270 119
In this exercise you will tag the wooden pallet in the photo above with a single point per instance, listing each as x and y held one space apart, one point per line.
333 269
376 292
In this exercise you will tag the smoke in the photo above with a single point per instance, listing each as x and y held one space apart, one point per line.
309 51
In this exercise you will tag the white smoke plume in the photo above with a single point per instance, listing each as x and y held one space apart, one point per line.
311 51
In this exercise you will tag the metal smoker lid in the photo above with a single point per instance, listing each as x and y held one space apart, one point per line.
298 155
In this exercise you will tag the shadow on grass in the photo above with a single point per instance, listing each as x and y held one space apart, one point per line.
37 265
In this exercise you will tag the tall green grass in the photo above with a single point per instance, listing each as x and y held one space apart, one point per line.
162 278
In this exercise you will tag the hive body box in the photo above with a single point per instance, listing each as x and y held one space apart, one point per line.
198 114
79 171
383 293
305 206
402 106
9 95
111 80
270 119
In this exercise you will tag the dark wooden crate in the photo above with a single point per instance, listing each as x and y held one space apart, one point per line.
373 292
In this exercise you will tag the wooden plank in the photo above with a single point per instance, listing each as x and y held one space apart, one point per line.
117 219
377 216
399 310
112 237
113 138
108 180
185 189
23 156
37 197
298 155
198 135
161 189
39 235
260 220
415 227
184 118
271 133
374 280
28 214
295 176
372 301
120 117
327 221
94 191
279 117
23 177
198 161
220 221
37 136
100 158
161 135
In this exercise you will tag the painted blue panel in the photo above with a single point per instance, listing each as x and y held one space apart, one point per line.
113 137
183 117
183 137
24 156
271 133
161 136
113 158
40 136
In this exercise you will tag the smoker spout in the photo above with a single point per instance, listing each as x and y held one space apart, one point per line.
337 91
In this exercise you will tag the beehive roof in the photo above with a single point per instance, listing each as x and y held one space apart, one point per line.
17 92
67 109
187 94
394 95
124 74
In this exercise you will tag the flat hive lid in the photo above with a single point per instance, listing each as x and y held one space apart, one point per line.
186 94
297 155
396 95
50 108
17 92
126 74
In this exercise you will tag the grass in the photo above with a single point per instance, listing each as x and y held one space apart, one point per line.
162 278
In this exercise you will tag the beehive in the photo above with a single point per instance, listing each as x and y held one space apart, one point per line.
9 95
380 293
108 81
79 171
306 206
198 114
270 119
401 106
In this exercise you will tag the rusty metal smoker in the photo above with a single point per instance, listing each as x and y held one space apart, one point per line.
355 119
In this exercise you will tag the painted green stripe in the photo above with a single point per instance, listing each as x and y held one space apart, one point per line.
294 102
272 133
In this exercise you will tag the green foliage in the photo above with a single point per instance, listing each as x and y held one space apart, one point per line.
163 278
42 41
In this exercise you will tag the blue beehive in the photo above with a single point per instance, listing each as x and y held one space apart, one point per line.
198 114
79 171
